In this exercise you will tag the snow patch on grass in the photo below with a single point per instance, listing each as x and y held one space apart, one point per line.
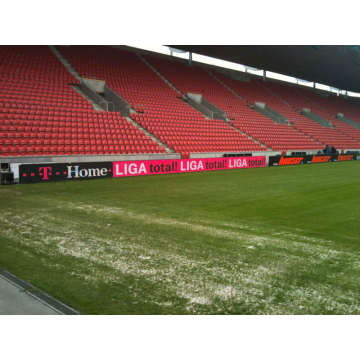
208 282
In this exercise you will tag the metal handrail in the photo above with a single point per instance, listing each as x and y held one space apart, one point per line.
218 110
118 102
89 91
127 105
209 113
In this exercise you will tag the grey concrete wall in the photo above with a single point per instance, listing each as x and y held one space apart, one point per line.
197 97
312 116
199 107
348 121
86 158
217 113
97 85
94 96
350 150
259 104
205 107
238 76
308 152
123 105
270 113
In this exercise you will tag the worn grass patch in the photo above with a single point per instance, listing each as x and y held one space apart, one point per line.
256 241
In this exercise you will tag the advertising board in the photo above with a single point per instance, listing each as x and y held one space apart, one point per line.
34 173
309 159
157 167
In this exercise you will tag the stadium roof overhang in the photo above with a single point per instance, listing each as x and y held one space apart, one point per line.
335 65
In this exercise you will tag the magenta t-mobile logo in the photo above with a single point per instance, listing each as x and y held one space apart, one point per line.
44 172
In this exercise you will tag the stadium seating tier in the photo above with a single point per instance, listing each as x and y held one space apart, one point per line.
157 107
198 80
42 114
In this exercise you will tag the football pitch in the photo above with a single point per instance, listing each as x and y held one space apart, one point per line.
276 240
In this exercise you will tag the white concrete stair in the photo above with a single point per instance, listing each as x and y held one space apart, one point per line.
76 75
152 137
167 82
230 89
173 87
95 106
259 82
159 74
333 127
310 100
64 61
249 137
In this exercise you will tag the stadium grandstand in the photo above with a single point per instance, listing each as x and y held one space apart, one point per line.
255 237
45 110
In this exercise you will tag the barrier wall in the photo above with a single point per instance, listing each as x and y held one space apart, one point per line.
45 172
309 159
34 173
134 168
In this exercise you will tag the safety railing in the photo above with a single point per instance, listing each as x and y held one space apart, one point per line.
196 105
312 116
270 113
217 113
94 96
117 101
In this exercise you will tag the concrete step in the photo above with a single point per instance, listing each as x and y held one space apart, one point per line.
94 105
167 82
273 93
152 137
64 62
316 118
159 74
226 86
310 100
249 137
271 114
236 94
348 121
317 106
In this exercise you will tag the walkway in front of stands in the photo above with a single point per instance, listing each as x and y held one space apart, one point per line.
20 298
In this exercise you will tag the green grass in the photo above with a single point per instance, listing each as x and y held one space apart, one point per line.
278 240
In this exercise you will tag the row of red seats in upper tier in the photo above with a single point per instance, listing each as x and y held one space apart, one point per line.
257 91
32 64
334 104
128 75
41 114
329 108
198 80
325 135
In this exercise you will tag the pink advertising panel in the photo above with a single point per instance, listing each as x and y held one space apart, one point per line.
156 167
